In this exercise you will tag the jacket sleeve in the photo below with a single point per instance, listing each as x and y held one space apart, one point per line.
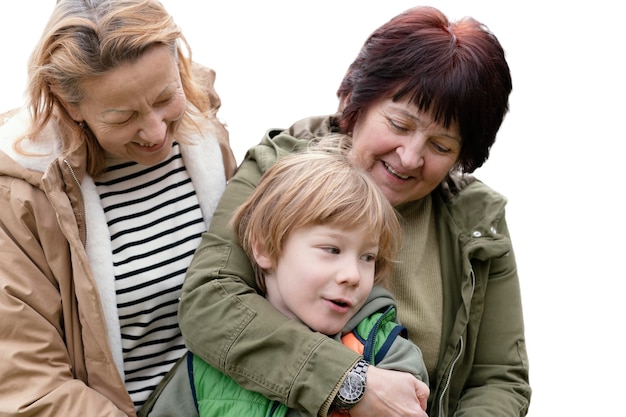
42 374
405 356
498 383
401 354
226 323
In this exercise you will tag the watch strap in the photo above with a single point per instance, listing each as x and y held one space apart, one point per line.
358 372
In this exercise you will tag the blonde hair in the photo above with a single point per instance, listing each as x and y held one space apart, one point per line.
316 188
87 38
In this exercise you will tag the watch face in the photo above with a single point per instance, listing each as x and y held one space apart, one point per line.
352 389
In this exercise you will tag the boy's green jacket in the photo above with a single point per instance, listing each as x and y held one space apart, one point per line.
483 367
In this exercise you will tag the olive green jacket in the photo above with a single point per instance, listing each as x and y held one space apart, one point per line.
483 366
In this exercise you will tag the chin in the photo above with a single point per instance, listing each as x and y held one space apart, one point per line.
151 160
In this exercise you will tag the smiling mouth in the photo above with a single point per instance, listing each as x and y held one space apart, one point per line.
394 172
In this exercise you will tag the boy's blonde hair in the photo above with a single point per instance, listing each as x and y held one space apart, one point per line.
316 188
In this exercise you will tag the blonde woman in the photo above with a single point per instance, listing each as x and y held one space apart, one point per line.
108 177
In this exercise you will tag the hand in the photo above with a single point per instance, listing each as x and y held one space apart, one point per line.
392 394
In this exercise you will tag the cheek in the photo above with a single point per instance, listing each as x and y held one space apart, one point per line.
177 108
108 138
375 140
368 285
365 148
367 277
437 168
365 288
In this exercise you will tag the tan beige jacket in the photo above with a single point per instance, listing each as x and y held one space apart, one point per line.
60 349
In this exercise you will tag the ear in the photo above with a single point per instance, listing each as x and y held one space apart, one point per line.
71 109
260 256
343 102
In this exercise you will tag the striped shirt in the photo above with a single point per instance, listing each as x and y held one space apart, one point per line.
155 223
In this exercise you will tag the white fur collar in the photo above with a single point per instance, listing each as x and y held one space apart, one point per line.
48 146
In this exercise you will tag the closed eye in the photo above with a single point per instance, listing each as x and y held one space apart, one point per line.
397 127
119 118
164 102
440 148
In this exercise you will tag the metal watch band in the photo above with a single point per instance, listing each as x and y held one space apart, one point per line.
361 367
354 386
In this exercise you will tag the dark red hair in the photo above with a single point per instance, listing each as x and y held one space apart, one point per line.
454 71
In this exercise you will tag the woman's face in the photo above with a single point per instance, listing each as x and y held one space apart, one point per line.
405 151
133 110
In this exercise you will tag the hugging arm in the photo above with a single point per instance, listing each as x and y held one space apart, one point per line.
229 325
225 321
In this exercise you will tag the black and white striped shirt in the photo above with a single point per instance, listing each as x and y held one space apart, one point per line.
155 223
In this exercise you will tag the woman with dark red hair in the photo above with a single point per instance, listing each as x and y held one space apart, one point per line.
422 104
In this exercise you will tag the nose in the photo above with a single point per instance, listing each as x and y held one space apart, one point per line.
154 128
350 273
411 152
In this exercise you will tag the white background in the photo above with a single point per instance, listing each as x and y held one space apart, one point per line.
558 157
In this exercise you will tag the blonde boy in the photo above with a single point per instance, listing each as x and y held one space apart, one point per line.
323 240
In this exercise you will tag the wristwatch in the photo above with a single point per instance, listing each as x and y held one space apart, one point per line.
353 388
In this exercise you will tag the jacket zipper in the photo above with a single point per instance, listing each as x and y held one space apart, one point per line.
72 172
275 406
69 167
369 345
456 359
445 388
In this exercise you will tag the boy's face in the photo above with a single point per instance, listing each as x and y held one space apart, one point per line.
323 276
